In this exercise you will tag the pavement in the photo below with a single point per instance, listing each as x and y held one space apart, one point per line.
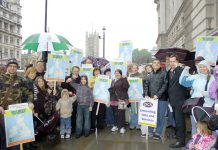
107 140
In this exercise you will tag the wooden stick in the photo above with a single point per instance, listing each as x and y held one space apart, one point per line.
147 134
21 146
55 85
97 109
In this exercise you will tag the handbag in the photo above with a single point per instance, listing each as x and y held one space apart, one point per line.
122 105
192 102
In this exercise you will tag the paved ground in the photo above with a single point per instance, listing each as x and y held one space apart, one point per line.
107 140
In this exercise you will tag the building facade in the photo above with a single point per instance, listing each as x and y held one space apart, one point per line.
10 30
92 44
180 22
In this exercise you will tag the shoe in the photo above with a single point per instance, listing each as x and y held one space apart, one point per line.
131 128
114 129
156 137
122 131
143 135
62 136
86 135
78 136
67 136
177 145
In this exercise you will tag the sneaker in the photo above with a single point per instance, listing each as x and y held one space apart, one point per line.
156 137
114 129
67 136
149 135
131 127
143 135
122 131
62 136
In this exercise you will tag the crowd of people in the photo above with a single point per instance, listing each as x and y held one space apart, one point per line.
74 100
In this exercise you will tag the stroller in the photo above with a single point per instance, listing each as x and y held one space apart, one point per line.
206 115
48 126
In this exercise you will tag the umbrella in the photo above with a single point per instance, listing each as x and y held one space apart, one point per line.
46 42
200 114
97 62
183 54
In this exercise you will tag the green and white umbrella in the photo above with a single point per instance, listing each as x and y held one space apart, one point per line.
46 42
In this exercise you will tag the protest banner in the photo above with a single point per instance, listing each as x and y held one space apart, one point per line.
118 65
75 57
19 126
88 71
135 90
125 51
147 114
100 92
56 67
18 106
207 47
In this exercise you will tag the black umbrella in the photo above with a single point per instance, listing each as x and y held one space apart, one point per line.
200 114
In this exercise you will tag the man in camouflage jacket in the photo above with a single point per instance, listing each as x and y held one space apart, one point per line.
12 91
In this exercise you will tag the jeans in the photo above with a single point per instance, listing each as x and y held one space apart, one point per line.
83 115
119 117
134 115
3 137
109 116
162 107
171 120
194 128
65 126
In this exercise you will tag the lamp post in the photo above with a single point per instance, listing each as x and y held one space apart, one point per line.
1 56
45 53
103 41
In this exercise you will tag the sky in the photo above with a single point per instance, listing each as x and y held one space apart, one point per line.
134 20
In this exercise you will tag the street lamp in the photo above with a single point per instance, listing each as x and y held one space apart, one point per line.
45 53
103 41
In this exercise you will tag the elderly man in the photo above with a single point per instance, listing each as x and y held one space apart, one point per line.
12 91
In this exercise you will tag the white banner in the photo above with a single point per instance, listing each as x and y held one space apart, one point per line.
148 112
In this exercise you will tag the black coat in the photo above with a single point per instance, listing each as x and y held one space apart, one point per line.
119 90
176 92
156 85
68 86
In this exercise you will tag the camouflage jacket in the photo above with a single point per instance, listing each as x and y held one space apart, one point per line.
17 92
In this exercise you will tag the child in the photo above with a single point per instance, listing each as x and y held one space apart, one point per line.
85 102
203 139
65 106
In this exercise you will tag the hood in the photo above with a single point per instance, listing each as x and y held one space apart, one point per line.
215 71
204 62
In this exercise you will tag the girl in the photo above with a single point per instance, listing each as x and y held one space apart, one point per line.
64 105
84 106
203 139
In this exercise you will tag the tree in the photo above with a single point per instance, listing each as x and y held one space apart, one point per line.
142 56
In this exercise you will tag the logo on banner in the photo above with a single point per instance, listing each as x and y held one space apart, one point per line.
147 104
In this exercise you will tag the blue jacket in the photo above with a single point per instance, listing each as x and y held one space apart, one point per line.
198 82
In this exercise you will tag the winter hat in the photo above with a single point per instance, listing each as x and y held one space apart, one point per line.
12 61
204 62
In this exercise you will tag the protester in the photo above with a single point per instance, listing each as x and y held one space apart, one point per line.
199 84
119 93
134 106
203 139
129 70
213 88
155 88
85 102
97 121
177 95
197 60
64 105
88 61
74 77
13 89
41 95
109 118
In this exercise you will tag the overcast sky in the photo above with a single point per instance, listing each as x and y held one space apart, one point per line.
134 20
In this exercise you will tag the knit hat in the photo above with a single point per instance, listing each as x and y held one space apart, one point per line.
12 61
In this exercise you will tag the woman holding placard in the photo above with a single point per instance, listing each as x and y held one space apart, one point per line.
119 99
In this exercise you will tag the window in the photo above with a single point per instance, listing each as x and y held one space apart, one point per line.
6 39
11 28
11 53
18 42
0 38
6 52
0 24
4 14
11 40
18 54
18 30
6 26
